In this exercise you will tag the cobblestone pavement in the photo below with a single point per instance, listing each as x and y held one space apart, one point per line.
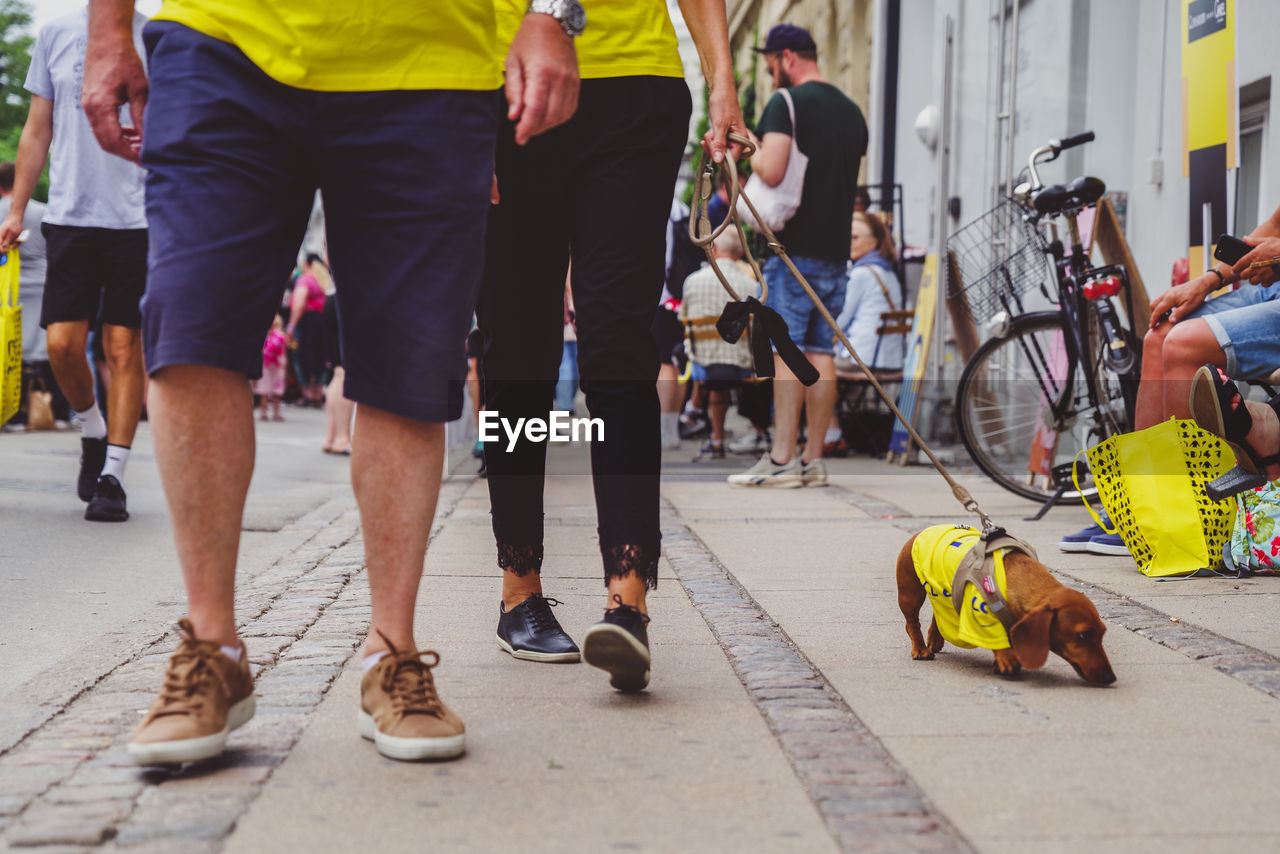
68 784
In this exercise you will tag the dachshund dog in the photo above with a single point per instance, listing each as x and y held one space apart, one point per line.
1049 617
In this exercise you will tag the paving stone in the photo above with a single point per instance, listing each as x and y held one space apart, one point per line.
94 794
11 805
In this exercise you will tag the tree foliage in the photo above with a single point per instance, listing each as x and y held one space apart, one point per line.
15 56
16 41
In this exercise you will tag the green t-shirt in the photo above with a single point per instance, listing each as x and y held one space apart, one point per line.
833 135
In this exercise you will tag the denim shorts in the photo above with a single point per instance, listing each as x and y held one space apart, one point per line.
1246 323
234 160
829 280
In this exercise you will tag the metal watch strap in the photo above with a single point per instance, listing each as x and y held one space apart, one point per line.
568 13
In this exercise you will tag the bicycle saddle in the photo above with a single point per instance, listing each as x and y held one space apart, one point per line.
1058 197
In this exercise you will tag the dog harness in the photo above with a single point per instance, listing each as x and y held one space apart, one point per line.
948 559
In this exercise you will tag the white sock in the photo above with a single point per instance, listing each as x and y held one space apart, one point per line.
670 422
833 435
371 661
91 424
232 652
117 458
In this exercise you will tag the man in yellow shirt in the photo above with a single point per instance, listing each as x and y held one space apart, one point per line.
598 189
391 111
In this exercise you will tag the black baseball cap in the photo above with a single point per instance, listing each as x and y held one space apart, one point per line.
787 37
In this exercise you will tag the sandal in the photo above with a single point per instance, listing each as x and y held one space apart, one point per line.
1211 407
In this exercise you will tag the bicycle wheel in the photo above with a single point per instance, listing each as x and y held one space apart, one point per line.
1006 402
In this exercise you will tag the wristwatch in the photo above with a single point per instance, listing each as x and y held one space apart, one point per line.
569 13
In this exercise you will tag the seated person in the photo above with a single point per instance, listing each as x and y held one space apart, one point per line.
717 365
871 292
1238 332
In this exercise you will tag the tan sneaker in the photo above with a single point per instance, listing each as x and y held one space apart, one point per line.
205 696
401 713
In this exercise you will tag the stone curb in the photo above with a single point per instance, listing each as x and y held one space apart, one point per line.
866 798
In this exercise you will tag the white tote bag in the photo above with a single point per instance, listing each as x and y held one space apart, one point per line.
777 204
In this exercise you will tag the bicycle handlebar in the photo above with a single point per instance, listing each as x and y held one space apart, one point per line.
1072 141
1054 147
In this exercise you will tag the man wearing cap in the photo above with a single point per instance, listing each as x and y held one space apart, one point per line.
829 129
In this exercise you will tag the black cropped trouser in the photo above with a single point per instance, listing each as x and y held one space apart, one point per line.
597 190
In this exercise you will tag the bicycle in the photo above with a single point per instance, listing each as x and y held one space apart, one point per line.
1049 382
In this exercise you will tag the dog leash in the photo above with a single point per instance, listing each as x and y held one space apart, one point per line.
751 314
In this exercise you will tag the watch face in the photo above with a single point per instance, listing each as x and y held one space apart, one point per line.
575 18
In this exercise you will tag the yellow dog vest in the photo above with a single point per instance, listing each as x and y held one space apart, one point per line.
936 554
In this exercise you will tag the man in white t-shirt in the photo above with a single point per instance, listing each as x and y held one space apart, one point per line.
96 232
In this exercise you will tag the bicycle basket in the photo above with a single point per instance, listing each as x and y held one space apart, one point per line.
998 257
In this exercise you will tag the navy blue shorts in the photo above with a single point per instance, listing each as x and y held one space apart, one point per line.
233 162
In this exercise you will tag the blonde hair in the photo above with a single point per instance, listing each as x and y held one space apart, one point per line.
880 231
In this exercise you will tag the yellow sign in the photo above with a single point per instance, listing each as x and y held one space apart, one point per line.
1210 121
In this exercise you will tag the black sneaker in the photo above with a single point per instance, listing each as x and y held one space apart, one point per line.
93 455
620 645
531 632
107 502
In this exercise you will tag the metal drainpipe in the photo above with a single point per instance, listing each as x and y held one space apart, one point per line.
942 214
1002 116
1013 98
889 115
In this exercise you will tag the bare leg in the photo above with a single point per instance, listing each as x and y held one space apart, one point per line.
717 408
1264 435
517 588
338 411
788 400
70 365
632 591
396 464
820 404
1149 409
668 388
202 420
123 348
1188 345
473 386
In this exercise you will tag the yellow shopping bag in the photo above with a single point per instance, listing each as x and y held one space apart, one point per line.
10 337
1152 484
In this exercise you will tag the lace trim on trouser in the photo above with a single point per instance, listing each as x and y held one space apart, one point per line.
622 561
521 560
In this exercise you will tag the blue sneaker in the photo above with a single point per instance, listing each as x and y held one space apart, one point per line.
1108 544
1079 541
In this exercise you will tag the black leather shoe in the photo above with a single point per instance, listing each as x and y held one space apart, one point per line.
107 503
93 455
619 644
531 632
